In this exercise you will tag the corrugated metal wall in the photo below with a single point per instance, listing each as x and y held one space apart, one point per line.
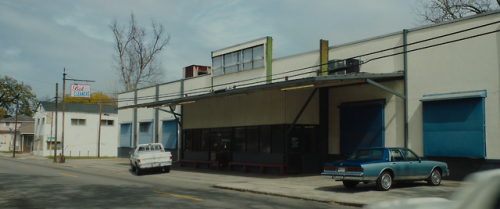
257 108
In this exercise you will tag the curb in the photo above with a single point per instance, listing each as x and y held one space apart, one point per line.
289 196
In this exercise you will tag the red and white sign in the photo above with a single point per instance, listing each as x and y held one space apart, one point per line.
80 90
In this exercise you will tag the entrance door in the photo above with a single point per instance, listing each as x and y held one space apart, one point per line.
28 143
220 147
294 150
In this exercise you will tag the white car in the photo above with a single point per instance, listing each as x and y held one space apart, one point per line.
480 191
150 156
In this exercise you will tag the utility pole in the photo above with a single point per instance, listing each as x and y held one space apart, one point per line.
55 138
62 160
63 104
15 127
100 123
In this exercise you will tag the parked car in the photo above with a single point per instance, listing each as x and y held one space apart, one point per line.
385 166
481 191
150 156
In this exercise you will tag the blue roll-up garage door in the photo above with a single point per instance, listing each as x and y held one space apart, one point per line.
125 135
454 127
169 134
361 125
145 133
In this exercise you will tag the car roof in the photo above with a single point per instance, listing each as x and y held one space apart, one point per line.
370 148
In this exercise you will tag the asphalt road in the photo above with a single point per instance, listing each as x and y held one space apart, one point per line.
26 184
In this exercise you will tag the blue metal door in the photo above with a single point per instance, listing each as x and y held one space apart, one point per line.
126 135
454 128
361 125
169 134
145 133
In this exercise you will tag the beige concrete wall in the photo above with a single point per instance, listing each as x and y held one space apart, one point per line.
461 66
257 108
394 111
296 63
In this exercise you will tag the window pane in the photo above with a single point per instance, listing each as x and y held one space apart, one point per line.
309 138
239 139
247 55
197 140
104 122
231 69
253 139
396 155
258 63
410 156
258 52
265 139
217 71
110 122
278 136
74 121
189 140
231 59
217 62
294 140
205 144
247 65
81 122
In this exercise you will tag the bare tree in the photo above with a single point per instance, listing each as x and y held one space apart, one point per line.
137 53
436 11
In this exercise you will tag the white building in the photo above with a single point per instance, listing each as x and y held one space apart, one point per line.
81 131
433 89
24 138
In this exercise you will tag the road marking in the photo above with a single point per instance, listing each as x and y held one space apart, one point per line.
178 195
68 175
24 166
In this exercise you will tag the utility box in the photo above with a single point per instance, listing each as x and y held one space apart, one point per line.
343 67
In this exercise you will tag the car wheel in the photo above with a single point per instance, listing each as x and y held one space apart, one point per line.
166 169
384 181
137 170
350 184
132 166
435 178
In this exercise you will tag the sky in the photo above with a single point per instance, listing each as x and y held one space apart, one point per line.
38 39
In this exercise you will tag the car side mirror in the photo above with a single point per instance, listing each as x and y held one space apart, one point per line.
419 159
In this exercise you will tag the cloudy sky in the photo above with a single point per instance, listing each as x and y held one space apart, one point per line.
39 38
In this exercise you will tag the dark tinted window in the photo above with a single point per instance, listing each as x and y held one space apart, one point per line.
189 140
278 138
197 140
309 138
239 139
265 139
252 139
369 154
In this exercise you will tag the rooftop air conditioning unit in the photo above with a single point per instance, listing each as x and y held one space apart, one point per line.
343 67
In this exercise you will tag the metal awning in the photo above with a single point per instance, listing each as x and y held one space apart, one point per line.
454 95
316 82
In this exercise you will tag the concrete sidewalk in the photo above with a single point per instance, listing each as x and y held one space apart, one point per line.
307 187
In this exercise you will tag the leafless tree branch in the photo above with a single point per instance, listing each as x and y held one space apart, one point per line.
436 11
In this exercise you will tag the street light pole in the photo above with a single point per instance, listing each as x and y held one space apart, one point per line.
99 142
55 138
15 128
62 160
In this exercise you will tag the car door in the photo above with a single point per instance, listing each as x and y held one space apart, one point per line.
415 168
399 164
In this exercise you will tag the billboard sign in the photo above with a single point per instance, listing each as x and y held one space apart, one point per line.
80 90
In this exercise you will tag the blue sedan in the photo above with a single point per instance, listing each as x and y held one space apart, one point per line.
384 166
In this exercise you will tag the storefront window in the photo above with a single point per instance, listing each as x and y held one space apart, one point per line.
197 140
294 139
205 144
309 139
278 138
265 139
189 140
239 139
252 139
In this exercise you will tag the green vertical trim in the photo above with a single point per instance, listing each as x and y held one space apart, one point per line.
323 56
269 57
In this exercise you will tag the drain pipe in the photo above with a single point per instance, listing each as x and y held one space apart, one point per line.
405 55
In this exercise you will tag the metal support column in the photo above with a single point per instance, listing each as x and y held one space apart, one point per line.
405 48
157 112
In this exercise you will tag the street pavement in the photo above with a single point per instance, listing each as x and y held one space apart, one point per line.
289 187
38 183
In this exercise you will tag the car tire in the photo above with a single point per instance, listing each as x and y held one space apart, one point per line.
137 170
166 169
384 181
435 178
132 167
350 184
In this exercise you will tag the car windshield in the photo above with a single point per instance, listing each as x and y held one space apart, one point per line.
369 154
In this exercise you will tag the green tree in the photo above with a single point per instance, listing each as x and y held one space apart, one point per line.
10 92
95 98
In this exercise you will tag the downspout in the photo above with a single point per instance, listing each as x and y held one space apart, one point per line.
405 55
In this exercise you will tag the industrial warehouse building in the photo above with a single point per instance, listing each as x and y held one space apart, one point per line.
433 89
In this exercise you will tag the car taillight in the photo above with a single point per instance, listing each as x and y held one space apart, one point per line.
356 169
139 160
330 168
170 157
